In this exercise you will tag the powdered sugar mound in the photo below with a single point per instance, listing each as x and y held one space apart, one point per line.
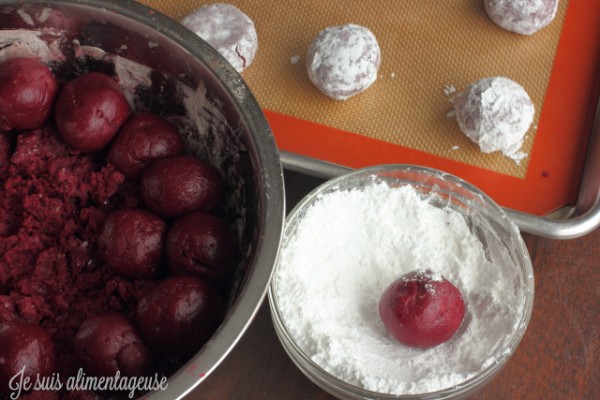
343 60
349 246
228 30
495 113
522 16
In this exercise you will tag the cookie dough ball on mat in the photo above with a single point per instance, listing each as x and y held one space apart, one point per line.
495 113
343 60
228 30
521 16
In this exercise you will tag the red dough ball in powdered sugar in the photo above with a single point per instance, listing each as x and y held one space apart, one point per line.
422 310
228 30
27 92
495 113
522 16
343 60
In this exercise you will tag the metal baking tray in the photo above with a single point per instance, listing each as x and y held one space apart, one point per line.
310 146
570 222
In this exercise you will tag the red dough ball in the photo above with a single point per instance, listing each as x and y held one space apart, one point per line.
421 310
24 345
176 185
27 92
89 111
105 344
201 244
525 16
131 241
143 139
179 315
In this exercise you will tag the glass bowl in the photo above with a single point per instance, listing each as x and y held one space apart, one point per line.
504 254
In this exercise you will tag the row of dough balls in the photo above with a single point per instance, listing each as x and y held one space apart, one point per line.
343 61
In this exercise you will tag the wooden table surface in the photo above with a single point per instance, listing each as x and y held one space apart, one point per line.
559 357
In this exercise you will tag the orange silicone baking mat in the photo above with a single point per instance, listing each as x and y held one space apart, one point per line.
428 47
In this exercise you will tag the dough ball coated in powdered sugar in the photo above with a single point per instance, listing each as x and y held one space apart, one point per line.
343 60
228 30
495 113
521 16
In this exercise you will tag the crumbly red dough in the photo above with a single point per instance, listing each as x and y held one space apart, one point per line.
53 201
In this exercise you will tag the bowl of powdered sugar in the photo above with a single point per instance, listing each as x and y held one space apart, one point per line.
355 237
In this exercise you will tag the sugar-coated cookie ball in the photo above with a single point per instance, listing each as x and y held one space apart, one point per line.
27 92
495 113
228 30
89 111
521 16
24 345
144 138
179 315
105 344
343 60
131 241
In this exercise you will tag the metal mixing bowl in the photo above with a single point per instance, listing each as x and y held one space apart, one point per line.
219 117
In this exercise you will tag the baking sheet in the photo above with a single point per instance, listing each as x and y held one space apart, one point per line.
428 46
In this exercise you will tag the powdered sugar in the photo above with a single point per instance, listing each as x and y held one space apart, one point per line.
343 60
349 246
449 90
26 43
131 75
495 113
522 16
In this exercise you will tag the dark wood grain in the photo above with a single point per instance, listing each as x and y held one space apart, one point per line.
559 357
